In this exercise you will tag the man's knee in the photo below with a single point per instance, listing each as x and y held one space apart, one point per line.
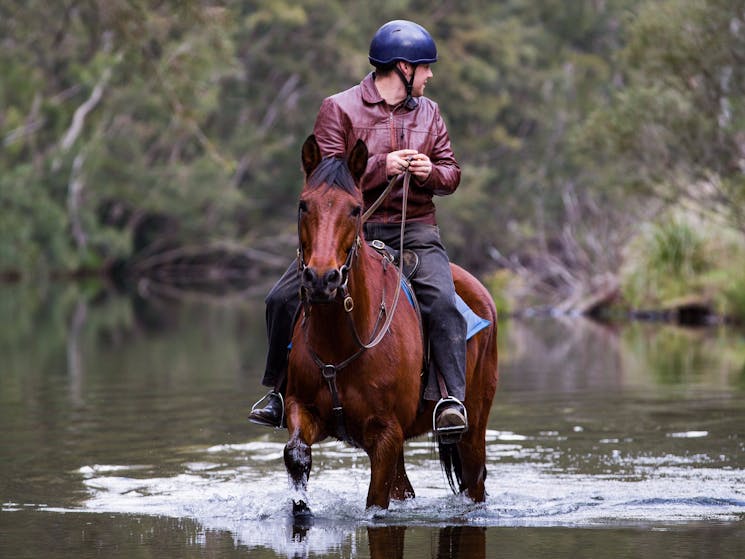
444 306
275 298
282 297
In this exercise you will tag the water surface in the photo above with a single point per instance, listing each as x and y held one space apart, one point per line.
123 433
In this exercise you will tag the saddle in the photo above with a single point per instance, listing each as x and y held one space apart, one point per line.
409 264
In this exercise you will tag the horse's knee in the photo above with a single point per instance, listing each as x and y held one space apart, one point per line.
298 461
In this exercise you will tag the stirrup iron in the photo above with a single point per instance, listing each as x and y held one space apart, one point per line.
452 434
281 399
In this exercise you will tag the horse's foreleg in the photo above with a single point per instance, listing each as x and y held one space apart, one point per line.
304 432
298 461
402 488
384 455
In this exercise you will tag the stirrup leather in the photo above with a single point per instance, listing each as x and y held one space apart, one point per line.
265 397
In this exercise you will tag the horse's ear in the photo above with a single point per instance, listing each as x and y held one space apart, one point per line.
311 155
358 160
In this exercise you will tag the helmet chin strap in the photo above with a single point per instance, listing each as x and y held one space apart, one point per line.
410 102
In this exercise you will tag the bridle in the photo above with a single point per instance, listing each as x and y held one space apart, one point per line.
344 269
352 252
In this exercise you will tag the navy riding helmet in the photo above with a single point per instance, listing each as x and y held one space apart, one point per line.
402 40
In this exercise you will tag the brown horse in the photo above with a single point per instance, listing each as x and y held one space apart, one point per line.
356 357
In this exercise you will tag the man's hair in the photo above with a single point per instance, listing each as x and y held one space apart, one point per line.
385 69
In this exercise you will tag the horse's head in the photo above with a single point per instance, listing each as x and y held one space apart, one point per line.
329 219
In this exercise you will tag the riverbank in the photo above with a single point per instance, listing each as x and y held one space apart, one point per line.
676 270
609 301
679 269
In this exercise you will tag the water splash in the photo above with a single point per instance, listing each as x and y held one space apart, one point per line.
244 489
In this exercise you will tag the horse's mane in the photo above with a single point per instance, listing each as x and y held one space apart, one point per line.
332 171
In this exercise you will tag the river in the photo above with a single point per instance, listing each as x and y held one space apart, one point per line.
123 434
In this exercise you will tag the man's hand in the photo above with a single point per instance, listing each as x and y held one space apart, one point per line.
420 166
397 162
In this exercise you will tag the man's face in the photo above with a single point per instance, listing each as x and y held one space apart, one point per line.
422 75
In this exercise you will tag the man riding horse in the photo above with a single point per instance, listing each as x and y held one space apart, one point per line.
403 130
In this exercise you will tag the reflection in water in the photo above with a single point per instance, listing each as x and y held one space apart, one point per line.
386 542
136 408
464 542
74 352
569 355
453 542
560 356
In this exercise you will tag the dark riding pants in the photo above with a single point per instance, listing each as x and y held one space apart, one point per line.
433 285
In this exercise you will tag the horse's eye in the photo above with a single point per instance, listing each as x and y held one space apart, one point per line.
302 207
356 211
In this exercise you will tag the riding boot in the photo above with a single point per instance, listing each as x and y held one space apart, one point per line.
450 420
272 414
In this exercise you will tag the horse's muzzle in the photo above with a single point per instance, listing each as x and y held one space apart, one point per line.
320 288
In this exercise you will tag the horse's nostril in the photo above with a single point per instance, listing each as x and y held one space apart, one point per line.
332 277
309 276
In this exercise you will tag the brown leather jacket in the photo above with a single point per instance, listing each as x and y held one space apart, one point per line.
361 113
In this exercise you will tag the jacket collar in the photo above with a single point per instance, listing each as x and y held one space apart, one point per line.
370 93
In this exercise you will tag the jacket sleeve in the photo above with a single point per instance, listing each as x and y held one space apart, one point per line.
445 176
332 130
329 129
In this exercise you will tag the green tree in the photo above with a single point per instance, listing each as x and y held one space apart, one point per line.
675 129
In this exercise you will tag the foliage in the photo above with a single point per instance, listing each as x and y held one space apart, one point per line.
677 249
196 110
674 130
573 123
734 294
498 284
681 257
667 256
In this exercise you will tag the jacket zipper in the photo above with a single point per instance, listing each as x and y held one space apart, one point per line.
394 147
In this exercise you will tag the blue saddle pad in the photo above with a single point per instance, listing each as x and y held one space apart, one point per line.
474 323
